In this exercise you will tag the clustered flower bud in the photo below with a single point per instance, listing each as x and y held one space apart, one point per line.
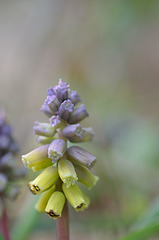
62 167
9 172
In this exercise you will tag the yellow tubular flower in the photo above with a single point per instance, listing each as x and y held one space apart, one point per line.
67 172
45 140
55 205
44 164
43 200
43 129
36 156
45 180
76 197
85 176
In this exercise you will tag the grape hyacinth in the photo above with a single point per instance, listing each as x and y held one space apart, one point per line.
62 166
9 172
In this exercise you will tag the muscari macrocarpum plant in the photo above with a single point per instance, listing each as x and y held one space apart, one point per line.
10 173
62 167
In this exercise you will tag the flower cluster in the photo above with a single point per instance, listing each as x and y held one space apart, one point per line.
62 166
9 172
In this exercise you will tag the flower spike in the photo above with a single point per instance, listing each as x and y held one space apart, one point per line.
62 167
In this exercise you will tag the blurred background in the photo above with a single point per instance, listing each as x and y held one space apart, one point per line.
108 51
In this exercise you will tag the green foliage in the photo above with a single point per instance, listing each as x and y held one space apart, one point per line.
1 237
147 226
27 221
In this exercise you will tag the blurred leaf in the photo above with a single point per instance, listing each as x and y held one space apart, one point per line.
145 233
149 216
1 237
147 225
27 221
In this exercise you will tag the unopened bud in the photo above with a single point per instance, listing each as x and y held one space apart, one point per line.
43 200
65 109
44 129
55 121
85 176
76 197
78 114
6 130
45 109
4 142
79 155
7 161
87 135
55 205
45 180
45 140
61 90
67 172
74 97
36 156
53 103
56 149
72 131
62 94
51 91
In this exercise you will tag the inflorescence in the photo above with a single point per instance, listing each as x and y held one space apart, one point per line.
9 172
62 167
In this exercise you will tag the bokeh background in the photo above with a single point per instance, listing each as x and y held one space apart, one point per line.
109 52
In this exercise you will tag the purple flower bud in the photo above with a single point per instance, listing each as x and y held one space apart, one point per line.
45 109
7 161
62 94
55 121
53 103
74 97
87 135
72 131
51 91
79 155
4 141
6 129
65 109
61 90
3 182
43 129
78 114
62 85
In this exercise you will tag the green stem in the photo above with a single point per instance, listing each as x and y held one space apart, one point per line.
63 225
4 225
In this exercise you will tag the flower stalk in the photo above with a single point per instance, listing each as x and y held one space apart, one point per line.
4 225
63 224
